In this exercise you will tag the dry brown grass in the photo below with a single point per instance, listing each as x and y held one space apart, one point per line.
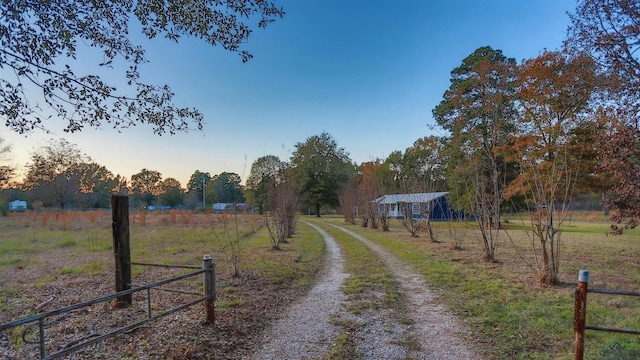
68 258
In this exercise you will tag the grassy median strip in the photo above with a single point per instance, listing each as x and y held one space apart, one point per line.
509 315
369 288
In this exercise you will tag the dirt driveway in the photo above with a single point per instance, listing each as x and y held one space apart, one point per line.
307 331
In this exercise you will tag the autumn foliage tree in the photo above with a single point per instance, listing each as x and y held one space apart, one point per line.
554 93
368 189
348 198
609 31
619 154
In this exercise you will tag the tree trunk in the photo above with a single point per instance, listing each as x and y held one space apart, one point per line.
429 229
545 276
317 209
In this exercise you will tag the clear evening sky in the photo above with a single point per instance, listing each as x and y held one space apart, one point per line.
368 72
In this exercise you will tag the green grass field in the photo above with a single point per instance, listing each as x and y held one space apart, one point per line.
510 315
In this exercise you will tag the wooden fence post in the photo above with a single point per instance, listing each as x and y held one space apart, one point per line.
209 280
580 313
121 250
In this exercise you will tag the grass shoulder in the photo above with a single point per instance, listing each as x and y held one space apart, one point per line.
511 316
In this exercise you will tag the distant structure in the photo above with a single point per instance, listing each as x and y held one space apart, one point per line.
418 204
230 207
18 205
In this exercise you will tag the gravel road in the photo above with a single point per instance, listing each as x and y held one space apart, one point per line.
307 330
440 334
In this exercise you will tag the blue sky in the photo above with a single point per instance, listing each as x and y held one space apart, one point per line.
368 72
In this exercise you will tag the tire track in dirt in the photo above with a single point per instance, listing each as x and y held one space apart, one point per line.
440 333
306 332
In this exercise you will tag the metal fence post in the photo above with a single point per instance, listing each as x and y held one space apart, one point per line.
580 313
209 279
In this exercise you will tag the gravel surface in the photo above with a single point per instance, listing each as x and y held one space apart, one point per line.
307 330
440 334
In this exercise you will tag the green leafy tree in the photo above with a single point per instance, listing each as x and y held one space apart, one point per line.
478 110
196 186
96 184
424 171
55 173
421 168
170 192
41 44
145 186
227 188
394 172
265 172
320 168
196 180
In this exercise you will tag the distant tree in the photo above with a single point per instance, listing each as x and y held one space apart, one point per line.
145 186
211 196
369 189
283 198
170 192
348 197
554 93
121 185
41 41
196 180
55 173
423 168
96 185
320 168
6 170
479 112
227 188
265 172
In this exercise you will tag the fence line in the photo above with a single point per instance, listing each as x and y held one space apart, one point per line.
167 266
580 313
209 282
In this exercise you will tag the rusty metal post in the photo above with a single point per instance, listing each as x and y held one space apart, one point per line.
209 280
121 249
580 313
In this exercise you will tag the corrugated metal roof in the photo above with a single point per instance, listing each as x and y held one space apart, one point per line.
410 198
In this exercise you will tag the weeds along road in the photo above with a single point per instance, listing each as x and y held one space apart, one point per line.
363 323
